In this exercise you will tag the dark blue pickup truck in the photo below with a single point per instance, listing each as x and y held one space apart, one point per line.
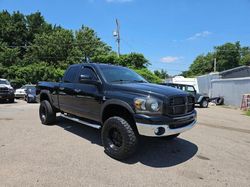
118 101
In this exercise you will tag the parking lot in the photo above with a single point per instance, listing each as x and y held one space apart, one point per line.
215 152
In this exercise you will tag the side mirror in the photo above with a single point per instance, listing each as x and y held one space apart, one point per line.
84 78
88 80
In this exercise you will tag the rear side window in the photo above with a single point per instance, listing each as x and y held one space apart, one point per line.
70 76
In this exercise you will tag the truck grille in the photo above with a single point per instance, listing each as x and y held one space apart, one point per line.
180 105
4 90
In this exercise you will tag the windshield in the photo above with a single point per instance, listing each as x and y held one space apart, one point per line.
116 75
4 82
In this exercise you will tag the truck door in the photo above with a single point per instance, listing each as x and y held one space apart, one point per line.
88 94
66 90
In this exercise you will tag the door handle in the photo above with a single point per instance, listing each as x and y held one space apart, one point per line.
77 90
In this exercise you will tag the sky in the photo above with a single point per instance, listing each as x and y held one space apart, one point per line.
170 33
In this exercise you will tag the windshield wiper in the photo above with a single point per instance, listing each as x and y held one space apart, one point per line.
139 81
121 80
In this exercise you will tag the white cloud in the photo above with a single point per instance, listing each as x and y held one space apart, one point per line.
118 1
169 59
199 35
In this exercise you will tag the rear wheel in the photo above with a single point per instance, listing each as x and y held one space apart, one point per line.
118 138
46 113
204 103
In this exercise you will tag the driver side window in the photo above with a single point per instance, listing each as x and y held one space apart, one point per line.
89 73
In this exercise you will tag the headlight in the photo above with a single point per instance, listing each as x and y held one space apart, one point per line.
146 105
11 90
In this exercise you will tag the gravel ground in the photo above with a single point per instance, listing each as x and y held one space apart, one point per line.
214 153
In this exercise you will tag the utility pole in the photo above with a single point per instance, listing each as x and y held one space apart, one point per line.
215 64
116 34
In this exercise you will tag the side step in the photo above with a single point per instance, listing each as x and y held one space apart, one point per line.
96 126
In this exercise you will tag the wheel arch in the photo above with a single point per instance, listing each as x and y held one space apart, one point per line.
118 108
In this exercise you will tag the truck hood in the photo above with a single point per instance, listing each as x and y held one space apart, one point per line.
150 89
5 86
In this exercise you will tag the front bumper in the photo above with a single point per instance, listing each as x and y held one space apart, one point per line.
6 95
19 95
164 126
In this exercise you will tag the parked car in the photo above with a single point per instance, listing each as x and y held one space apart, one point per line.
21 92
200 99
30 95
118 101
6 91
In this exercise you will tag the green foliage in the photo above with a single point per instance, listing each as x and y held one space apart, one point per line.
148 75
162 74
135 60
228 55
32 73
8 56
88 42
31 50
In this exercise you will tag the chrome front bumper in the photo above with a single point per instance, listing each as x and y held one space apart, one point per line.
149 130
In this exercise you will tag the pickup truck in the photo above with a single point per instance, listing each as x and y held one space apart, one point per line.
118 101
6 91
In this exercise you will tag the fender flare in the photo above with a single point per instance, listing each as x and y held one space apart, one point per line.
116 102
47 93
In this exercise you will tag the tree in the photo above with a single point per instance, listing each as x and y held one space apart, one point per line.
245 56
162 74
148 75
90 45
32 50
36 25
8 56
135 60
227 56
53 48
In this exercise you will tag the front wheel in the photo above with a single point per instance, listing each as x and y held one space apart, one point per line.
46 113
204 103
118 138
12 100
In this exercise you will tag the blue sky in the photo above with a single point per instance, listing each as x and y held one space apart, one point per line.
170 33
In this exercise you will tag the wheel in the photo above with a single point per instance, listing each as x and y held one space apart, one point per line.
220 101
118 138
12 100
171 137
204 103
28 100
46 113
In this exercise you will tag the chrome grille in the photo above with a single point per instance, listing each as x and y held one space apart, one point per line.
4 90
179 105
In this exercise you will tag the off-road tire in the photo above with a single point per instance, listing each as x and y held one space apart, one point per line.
12 100
204 103
47 113
126 134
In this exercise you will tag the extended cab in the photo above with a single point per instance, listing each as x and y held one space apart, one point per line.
118 101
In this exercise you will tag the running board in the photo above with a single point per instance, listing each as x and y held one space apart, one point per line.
82 122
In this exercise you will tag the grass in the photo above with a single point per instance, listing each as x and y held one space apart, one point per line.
248 113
